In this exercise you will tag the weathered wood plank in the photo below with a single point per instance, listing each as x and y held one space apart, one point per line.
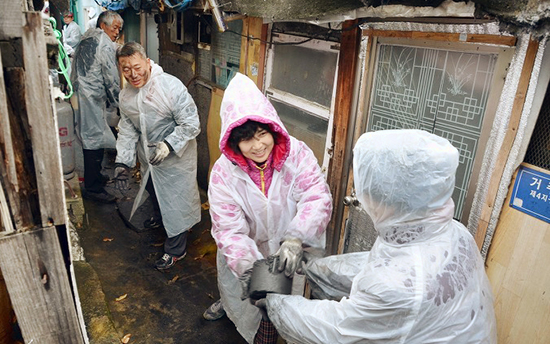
447 37
43 127
518 268
8 175
20 189
504 151
349 47
243 63
357 128
10 19
38 285
5 133
263 48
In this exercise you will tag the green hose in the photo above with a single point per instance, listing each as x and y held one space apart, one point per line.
62 59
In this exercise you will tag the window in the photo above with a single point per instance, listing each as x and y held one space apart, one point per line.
301 84
219 61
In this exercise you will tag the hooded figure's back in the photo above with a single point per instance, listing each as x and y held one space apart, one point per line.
423 281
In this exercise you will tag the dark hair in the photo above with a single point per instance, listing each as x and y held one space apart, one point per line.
245 132
129 49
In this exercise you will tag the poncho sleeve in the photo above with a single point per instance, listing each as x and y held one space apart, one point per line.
229 226
185 115
126 143
313 199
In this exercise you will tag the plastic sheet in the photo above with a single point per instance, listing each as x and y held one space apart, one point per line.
423 281
249 225
95 81
163 110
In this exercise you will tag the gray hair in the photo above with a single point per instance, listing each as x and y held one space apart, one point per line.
129 49
108 17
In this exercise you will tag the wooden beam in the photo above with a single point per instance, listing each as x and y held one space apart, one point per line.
8 174
43 127
349 50
243 63
360 123
20 189
263 48
39 289
10 19
447 37
507 143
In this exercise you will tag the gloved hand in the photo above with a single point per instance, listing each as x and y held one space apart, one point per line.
245 281
290 255
122 174
262 306
160 153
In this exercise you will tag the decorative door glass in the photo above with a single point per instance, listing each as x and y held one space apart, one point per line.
441 91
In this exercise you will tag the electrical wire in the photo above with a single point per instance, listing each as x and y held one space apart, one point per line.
330 31
63 60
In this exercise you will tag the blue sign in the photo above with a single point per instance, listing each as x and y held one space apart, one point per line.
531 193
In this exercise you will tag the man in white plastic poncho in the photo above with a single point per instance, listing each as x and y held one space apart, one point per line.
96 84
267 197
424 279
71 33
159 119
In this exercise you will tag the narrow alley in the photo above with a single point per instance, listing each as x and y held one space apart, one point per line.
123 294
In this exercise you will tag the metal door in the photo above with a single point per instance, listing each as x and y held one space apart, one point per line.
446 90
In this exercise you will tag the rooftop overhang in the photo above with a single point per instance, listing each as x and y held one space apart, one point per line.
514 15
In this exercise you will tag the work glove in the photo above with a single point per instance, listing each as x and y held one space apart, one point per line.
290 255
122 174
244 279
262 306
159 154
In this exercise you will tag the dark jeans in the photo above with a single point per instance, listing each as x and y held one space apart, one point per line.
93 180
175 246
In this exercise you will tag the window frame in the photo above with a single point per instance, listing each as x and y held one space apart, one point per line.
292 100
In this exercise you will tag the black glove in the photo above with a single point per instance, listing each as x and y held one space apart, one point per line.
122 174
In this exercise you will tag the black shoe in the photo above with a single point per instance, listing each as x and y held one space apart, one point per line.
152 223
167 261
103 196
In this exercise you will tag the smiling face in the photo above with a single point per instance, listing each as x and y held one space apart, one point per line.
136 69
258 147
112 30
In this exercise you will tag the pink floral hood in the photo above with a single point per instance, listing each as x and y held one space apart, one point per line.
243 101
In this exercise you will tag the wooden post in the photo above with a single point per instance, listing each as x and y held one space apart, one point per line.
31 179
39 289
7 168
507 143
42 123
349 50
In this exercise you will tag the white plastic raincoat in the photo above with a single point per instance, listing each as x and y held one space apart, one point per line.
96 84
71 37
163 110
423 281
246 224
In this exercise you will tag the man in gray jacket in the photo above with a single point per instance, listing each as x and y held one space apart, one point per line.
96 83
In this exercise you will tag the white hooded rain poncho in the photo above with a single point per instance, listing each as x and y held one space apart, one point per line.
248 225
424 279
71 37
163 110
96 84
